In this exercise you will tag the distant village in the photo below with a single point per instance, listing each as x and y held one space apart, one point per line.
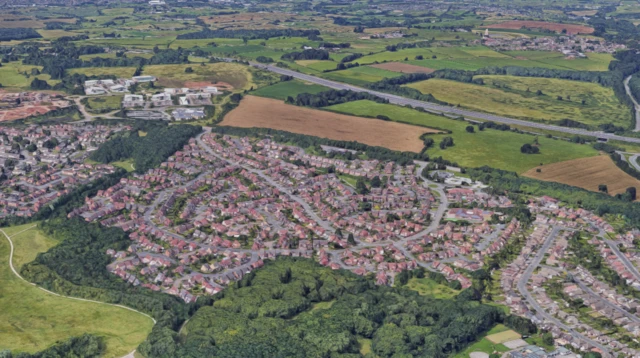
571 46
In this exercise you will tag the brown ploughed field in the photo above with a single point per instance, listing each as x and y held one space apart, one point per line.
587 173
554 26
271 113
402 67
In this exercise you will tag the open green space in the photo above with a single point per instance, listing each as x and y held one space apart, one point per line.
16 76
495 148
483 345
427 287
518 97
104 103
282 90
360 76
318 65
239 76
473 58
125 164
32 319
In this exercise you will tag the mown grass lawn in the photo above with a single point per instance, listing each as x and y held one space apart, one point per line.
497 149
428 287
125 164
104 103
32 320
483 345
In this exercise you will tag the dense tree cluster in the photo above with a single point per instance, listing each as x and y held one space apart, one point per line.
18 33
529 149
331 97
147 151
67 55
311 54
254 318
249 34
264 59
334 45
351 57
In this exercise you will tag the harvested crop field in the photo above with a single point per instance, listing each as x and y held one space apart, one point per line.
587 173
271 113
402 67
554 26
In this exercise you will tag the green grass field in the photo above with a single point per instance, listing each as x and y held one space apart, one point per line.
318 65
13 77
32 320
104 103
292 88
428 287
483 345
125 164
360 76
237 75
516 97
473 58
497 149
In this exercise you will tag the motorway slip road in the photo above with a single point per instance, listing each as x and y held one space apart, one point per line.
436 108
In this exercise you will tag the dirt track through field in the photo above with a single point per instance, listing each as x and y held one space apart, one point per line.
270 113
587 173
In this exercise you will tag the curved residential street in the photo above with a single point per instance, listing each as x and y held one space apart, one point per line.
522 288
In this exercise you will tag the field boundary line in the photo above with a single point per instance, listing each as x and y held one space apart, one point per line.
63 296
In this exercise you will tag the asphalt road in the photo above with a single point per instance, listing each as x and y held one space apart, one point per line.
522 288
635 103
436 108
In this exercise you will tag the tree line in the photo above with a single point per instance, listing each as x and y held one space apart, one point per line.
331 97
18 33
67 56
310 54
305 141
264 34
